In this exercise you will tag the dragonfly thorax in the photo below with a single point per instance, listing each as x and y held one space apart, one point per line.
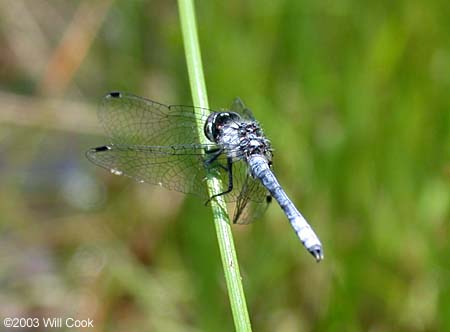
253 142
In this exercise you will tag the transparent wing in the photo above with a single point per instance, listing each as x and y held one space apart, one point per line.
183 168
152 142
239 107
133 120
250 196
179 168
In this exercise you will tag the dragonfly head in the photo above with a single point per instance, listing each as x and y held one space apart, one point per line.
216 121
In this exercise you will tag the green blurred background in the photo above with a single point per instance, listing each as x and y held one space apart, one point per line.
355 98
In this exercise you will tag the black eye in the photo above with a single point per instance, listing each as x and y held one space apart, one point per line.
210 127
232 116
215 123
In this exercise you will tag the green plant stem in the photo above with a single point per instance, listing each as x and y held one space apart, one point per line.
221 219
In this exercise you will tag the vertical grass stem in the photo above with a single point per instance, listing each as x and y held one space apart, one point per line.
221 219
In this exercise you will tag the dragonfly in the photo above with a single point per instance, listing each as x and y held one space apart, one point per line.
160 144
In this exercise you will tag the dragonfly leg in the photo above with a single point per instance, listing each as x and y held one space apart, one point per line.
212 157
229 169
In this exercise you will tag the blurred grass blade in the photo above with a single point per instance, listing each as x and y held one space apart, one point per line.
221 219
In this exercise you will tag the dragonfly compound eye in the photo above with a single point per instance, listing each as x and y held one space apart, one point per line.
210 129
216 121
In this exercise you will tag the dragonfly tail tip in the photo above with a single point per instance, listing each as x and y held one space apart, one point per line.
317 252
